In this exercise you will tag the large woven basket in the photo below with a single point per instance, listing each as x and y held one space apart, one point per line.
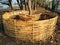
29 30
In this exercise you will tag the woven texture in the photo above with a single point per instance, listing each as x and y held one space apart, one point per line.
29 30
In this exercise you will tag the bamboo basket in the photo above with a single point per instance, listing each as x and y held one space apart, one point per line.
33 31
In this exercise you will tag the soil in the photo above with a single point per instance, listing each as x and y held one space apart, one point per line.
45 16
25 17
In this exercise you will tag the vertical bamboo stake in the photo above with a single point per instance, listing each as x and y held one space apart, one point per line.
29 7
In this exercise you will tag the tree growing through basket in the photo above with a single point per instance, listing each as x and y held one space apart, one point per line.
30 4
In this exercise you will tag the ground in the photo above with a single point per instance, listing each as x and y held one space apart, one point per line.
6 40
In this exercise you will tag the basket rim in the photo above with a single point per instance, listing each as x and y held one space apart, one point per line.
54 15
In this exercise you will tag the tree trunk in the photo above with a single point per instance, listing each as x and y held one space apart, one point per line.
35 3
21 7
18 3
25 2
10 4
29 7
53 5
56 5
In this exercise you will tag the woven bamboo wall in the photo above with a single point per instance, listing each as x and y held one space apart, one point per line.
29 30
